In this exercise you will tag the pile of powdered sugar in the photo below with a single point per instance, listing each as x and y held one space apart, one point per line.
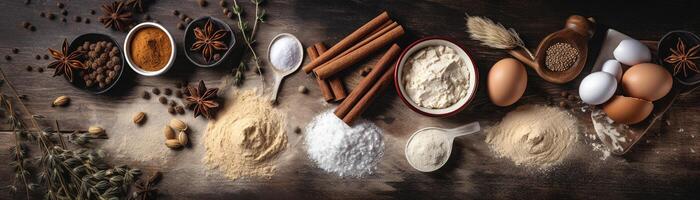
346 151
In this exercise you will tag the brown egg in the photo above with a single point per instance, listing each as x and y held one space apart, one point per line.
506 82
647 81
628 110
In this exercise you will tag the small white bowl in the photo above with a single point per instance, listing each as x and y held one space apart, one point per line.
127 45
457 106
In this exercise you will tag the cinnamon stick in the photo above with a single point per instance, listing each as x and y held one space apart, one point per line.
366 100
348 41
322 84
335 82
370 80
387 23
331 68
371 37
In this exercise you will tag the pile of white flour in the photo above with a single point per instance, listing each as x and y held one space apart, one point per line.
346 151
436 77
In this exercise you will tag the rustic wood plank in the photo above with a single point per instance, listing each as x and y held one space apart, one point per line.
663 166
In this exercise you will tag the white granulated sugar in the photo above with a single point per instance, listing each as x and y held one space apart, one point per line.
285 53
343 150
436 77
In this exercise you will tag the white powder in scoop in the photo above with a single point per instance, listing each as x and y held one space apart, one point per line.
346 151
285 53
428 149
436 77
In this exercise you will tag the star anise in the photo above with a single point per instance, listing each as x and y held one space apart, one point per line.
208 40
683 60
135 4
115 16
65 62
146 190
202 99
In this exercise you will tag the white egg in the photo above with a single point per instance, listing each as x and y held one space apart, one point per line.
631 52
597 88
614 68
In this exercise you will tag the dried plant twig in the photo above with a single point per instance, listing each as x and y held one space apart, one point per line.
249 39
494 34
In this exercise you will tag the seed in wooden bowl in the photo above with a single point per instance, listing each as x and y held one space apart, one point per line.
173 144
168 132
61 101
139 118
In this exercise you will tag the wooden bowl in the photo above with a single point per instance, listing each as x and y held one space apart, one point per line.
77 79
189 39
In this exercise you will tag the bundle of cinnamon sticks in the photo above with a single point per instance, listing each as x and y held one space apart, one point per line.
327 64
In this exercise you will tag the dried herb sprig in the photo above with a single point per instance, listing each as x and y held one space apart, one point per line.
66 174
18 153
249 39
494 34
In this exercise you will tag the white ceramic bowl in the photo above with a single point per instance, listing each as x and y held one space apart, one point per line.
442 112
127 45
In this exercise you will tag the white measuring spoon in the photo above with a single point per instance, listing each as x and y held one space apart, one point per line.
279 74
448 135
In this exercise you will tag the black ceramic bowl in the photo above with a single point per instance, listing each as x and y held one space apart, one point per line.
77 78
669 41
189 39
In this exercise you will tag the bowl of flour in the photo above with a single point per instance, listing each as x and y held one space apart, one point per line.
436 77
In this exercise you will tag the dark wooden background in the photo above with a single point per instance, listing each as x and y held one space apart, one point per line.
664 165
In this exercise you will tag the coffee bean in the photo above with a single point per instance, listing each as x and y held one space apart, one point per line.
146 95
180 109
29 68
173 103
156 91
15 50
171 110
168 91
163 100
38 57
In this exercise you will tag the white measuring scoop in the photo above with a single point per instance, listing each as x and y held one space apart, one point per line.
280 74
448 135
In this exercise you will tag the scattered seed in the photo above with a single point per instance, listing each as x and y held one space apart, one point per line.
297 130
29 68
229 15
8 57
60 5
222 3
202 3
32 28
64 12
46 56
146 95
64 20
180 26
96 130
139 118
173 144
168 132
176 12
51 16
61 101
26 24
168 91
180 109
87 20
178 125
182 138
15 50
42 14
173 103
183 17
77 19
302 89
38 57
225 11
171 110
163 100
41 70
92 12
156 91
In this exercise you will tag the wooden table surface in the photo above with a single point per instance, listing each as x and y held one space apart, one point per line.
664 165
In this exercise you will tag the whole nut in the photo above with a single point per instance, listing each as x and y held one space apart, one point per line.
61 101
178 125
96 130
169 133
173 144
182 138
139 118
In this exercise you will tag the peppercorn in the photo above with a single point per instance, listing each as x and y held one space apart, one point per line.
180 26
156 91
146 95
176 12
163 100
202 3
38 57
60 5
29 68
15 50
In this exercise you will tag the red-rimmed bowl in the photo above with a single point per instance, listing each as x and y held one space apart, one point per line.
473 73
